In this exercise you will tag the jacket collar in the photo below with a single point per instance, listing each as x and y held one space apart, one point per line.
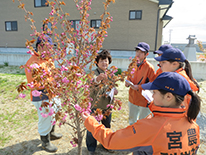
100 70
179 70
141 63
36 53
167 112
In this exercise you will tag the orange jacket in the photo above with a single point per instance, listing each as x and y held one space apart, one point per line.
158 72
44 64
144 73
167 133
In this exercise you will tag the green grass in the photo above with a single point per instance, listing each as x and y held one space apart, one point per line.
15 112
4 137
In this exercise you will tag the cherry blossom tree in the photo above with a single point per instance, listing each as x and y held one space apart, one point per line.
69 80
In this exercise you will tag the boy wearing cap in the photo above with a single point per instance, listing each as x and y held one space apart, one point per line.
41 58
171 131
145 72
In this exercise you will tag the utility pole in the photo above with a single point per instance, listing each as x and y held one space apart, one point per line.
170 32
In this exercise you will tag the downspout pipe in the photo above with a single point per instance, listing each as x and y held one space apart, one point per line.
157 27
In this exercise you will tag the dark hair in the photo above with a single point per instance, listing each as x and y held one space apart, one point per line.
194 106
103 55
37 46
188 71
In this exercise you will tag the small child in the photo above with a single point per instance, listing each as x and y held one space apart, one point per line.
145 73
170 131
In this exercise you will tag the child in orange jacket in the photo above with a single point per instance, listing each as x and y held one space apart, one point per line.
41 59
170 131
172 60
138 107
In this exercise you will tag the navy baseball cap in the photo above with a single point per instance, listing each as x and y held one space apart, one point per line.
172 54
171 82
163 48
143 47
46 38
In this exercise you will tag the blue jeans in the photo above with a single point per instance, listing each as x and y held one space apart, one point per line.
91 142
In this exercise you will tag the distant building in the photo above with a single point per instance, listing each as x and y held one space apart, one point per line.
182 46
134 21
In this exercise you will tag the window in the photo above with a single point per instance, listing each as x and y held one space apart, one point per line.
96 23
40 3
75 24
135 15
11 26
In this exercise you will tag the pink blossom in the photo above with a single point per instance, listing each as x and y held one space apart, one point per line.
77 107
88 111
78 74
44 115
40 108
22 95
110 105
64 118
111 18
130 58
36 93
89 105
54 122
99 117
79 82
30 52
51 112
119 108
76 50
31 85
63 68
133 70
74 145
65 80
34 66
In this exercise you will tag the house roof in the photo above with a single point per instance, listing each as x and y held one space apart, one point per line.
164 6
166 19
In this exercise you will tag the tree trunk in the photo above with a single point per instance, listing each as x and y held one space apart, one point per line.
79 136
79 145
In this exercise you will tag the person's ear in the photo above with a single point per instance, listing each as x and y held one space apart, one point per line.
169 96
147 54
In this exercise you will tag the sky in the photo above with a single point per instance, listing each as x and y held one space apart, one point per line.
189 18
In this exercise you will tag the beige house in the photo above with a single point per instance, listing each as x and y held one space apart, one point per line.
133 21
